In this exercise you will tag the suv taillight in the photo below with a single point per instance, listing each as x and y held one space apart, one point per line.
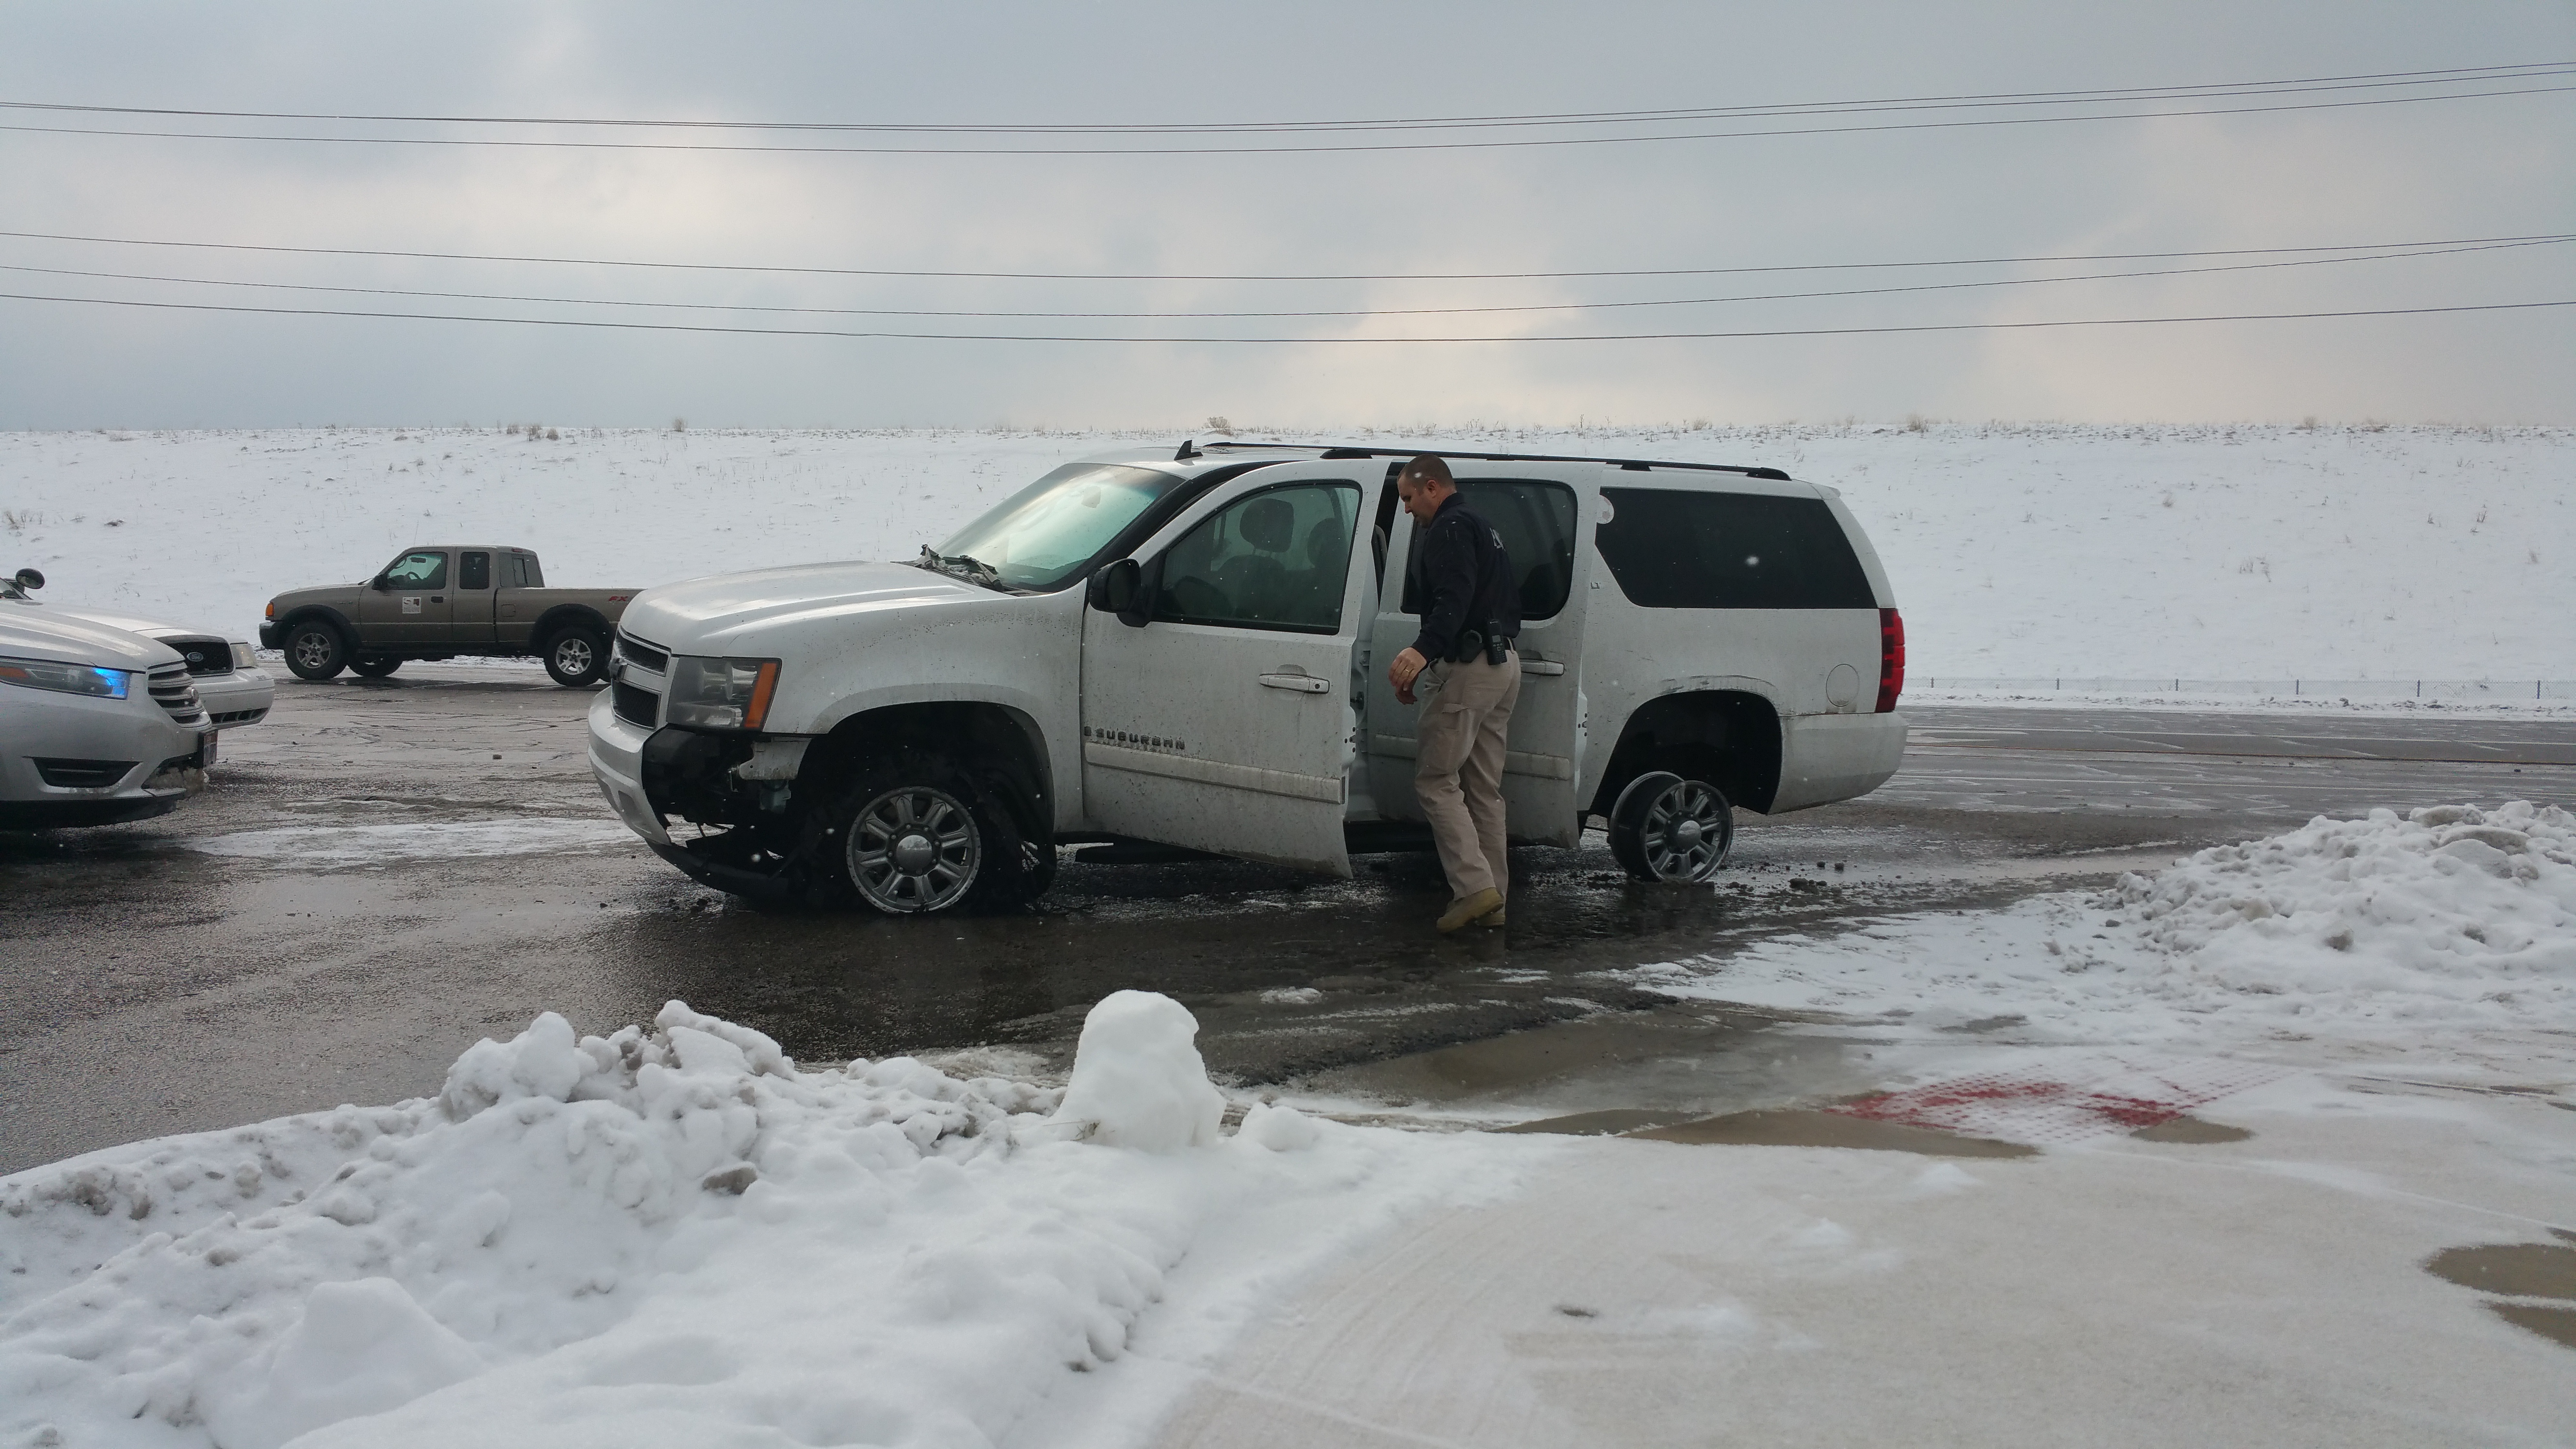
1891 658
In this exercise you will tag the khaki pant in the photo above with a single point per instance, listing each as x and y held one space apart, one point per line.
1458 769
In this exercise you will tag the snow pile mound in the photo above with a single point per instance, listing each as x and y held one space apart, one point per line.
1138 1080
2451 905
663 1236
2453 921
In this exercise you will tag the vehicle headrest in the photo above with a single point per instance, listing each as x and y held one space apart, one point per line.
1268 523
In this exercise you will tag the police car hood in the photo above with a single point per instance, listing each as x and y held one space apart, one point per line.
765 610
31 633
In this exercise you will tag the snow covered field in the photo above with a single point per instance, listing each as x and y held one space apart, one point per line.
675 1236
2208 553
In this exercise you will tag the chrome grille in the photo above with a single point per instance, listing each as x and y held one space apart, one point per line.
172 691
204 655
643 655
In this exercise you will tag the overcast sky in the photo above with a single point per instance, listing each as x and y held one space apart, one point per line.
2430 170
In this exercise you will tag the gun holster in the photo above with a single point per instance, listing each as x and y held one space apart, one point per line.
1468 648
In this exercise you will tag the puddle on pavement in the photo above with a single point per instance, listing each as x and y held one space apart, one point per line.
2520 1270
1798 1127
2558 1325
2192 1130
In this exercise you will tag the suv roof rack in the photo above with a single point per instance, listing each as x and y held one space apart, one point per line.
1638 465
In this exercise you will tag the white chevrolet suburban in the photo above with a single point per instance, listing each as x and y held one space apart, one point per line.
1188 649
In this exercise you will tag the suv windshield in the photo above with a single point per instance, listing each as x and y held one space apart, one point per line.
1051 530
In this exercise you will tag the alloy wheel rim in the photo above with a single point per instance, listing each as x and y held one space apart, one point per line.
312 650
572 656
1685 832
914 849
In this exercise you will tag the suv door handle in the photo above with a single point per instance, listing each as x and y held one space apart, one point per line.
438 598
1541 666
1302 683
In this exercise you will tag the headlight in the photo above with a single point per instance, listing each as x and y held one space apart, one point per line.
721 694
68 678
243 658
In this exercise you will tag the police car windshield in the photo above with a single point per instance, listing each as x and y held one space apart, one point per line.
1050 531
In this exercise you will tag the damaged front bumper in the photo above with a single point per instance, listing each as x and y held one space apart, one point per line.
737 786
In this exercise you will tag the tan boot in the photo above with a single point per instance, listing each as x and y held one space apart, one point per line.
1493 919
1462 914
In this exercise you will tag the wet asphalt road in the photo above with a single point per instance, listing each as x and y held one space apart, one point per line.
386 870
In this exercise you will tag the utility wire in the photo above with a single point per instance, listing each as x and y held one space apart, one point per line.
1266 315
1268 150
1282 341
2457 75
1281 276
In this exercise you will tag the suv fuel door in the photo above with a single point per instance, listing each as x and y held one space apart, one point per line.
1544 512
1222 722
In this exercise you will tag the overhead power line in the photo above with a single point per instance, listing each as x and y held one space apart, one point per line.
707 328
2455 75
1276 276
1319 147
1314 313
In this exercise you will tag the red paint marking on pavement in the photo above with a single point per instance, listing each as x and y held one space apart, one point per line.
2064 1101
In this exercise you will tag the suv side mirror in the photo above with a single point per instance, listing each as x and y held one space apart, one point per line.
1119 589
378 583
30 579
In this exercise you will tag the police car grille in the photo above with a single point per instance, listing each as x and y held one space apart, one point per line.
172 691
204 656
636 706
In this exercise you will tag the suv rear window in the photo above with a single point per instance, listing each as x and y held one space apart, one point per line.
1536 520
1676 550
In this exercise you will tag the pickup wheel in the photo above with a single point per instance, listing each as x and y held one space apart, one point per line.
577 656
316 650
912 834
1666 828
374 666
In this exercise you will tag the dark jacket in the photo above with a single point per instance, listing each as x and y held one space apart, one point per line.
1467 581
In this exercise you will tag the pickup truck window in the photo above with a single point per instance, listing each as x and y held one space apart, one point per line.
1276 560
1536 520
1048 533
1676 550
524 573
426 569
474 571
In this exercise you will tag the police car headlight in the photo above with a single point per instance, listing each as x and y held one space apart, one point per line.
243 658
65 678
720 694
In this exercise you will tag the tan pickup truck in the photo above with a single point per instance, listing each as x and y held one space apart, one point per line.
442 601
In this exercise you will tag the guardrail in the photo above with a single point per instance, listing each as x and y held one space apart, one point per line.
2470 689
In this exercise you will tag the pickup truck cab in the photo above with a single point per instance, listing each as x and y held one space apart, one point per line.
1189 650
441 601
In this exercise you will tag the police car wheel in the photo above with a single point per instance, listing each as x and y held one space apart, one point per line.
315 651
1666 828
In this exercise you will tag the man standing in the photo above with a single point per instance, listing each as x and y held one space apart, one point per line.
1470 614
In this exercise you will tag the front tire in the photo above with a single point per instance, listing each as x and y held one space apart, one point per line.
577 656
1666 828
316 651
374 666
915 835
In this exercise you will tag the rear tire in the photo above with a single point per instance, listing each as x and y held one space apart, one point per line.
316 650
577 656
913 834
373 666
1666 828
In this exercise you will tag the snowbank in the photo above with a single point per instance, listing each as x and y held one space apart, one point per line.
2452 920
672 1236
2214 553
